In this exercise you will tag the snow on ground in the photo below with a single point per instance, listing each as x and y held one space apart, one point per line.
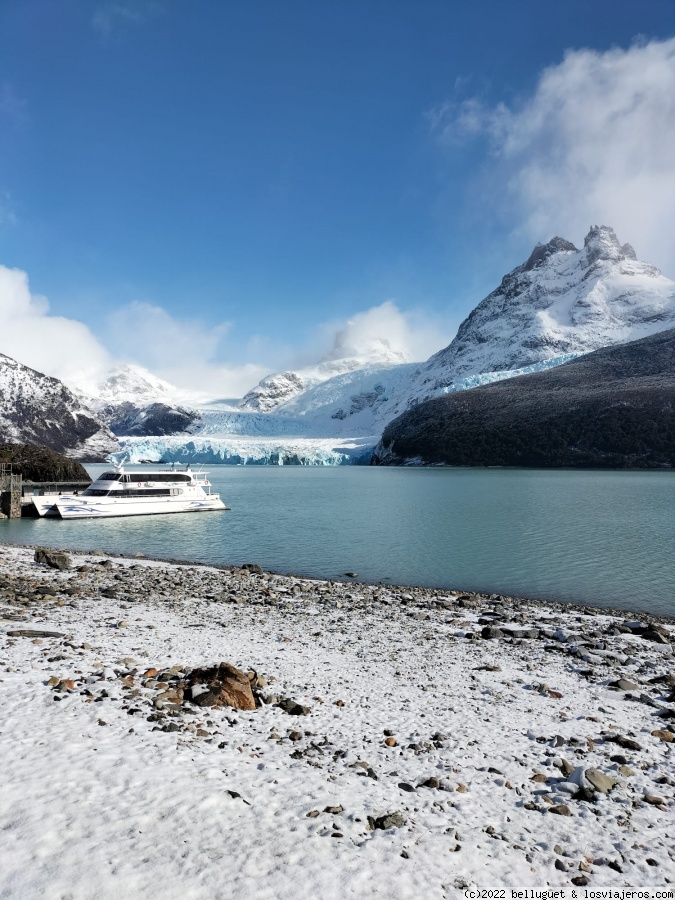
110 791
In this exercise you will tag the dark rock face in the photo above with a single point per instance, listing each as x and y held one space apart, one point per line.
41 464
614 408
144 421
542 252
38 409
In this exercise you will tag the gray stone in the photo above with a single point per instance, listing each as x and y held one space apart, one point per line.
293 708
491 631
390 820
55 559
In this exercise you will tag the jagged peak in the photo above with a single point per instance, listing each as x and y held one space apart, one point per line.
601 242
542 252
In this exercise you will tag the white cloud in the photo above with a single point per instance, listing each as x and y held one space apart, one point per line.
184 351
135 12
54 345
12 106
201 360
412 333
592 144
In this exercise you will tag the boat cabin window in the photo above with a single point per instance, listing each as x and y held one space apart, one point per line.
95 492
173 477
143 492
110 476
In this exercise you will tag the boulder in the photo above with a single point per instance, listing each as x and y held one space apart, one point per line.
222 685
55 559
391 820
601 782
293 708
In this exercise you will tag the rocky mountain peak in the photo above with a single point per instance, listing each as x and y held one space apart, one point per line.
561 301
542 252
128 382
601 242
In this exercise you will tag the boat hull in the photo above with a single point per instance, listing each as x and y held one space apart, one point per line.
79 508
46 504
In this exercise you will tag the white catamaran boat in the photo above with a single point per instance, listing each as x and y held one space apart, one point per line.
121 493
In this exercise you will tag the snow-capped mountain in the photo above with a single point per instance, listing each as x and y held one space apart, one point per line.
133 401
560 301
133 384
282 387
38 409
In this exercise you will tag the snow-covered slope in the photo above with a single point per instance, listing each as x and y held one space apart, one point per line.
560 301
281 387
37 409
133 401
134 384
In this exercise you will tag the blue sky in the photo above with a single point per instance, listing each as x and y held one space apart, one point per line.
251 175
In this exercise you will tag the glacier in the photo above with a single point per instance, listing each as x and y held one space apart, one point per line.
238 451
295 434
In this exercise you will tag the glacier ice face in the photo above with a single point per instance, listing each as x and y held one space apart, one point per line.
366 401
238 451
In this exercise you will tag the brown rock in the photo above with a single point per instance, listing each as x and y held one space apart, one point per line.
654 800
390 742
663 735
601 782
227 686
560 810
566 768
539 778
150 673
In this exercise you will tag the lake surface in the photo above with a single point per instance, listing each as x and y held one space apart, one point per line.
600 538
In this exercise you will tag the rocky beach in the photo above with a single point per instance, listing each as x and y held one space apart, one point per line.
360 740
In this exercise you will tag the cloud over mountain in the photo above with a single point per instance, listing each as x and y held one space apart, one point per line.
60 347
593 142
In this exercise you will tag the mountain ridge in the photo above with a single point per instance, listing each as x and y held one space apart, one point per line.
612 408
39 409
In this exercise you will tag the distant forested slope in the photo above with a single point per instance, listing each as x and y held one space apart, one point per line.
614 408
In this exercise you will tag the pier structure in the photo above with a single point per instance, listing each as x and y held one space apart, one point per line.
10 492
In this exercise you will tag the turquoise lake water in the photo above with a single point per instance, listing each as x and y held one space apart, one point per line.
601 538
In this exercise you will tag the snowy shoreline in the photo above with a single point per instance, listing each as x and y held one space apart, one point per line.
446 740
560 605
